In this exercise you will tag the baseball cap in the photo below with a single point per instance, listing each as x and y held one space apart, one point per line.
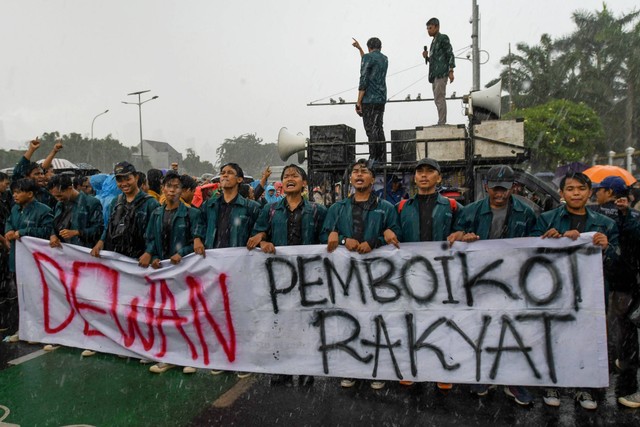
500 176
428 162
614 183
123 168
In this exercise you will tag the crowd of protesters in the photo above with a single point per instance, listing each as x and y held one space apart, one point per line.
166 216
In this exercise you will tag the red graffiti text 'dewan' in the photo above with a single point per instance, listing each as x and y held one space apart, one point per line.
108 314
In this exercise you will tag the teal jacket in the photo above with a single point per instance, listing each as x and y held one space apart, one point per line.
243 217
34 219
441 58
443 219
559 219
373 76
339 218
86 217
186 225
477 216
273 221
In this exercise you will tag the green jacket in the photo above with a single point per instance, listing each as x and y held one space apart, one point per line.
559 219
34 219
243 217
381 217
186 224
477 216
373 76
441 58
443 219
273 221
86 217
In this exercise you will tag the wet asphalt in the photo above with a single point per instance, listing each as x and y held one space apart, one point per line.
257 402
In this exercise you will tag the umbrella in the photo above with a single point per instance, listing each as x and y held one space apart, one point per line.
60 164
599 172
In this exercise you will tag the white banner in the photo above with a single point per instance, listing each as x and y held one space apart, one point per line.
517 311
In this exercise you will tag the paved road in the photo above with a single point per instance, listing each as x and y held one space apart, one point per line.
61 388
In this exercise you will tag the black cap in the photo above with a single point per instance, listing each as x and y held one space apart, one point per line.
500 176
428 162
124 168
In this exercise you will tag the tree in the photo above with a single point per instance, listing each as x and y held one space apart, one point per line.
534 73
249 152
601 60
194 166
598 64
559 131
103 154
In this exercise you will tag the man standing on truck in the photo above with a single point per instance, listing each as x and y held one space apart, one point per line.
372 96
441 64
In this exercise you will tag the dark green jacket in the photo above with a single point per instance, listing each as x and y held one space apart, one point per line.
86 217
559 219
34 219
243 217
273 221
186 224
443 219
381 217
477 216
441 58
624 276
373 76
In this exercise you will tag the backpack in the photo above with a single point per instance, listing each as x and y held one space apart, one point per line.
123 235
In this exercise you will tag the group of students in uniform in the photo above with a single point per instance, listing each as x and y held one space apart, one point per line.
138 226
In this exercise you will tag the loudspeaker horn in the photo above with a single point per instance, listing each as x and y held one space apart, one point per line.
289 144
489 99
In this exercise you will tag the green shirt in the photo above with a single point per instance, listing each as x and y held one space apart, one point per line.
441 58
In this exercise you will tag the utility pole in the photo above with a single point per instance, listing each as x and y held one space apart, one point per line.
475 45
509 81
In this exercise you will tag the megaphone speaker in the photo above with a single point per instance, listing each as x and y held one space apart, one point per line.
289 144
487 101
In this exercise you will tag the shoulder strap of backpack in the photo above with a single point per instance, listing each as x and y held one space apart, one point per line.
401 204
453 204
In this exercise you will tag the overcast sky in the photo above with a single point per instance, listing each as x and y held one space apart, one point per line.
225 68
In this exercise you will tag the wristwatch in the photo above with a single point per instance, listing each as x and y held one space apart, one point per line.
343 241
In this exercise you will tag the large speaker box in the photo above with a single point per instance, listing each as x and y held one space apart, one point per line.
327 146
404 151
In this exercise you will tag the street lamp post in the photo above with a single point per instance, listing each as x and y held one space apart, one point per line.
92 122
139 104
94 119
